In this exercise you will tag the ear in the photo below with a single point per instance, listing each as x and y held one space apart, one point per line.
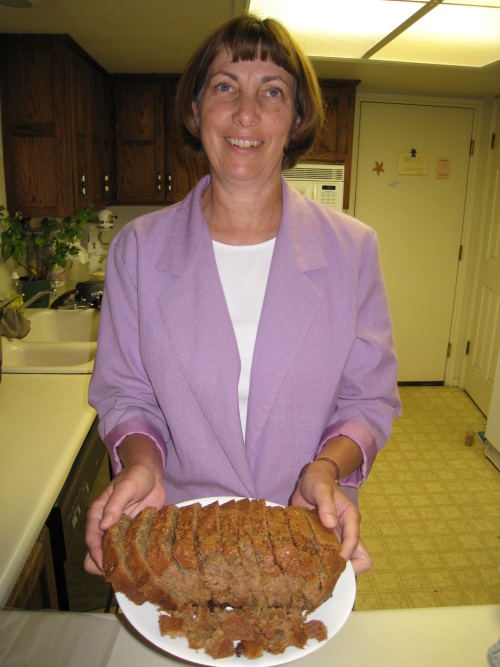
196 114
295 125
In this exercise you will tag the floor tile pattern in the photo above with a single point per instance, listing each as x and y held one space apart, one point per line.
431 509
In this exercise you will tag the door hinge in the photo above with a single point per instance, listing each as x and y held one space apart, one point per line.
448 351
471 149
467 347
493 138
460 253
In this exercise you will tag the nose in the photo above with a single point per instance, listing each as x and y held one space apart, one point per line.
246 111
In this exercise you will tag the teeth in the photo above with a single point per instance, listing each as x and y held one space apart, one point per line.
243 143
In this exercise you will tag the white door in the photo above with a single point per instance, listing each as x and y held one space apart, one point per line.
411 180
484 339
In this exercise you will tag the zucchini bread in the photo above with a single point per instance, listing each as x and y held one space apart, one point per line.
236 578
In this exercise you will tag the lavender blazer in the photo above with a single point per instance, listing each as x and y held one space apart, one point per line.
168 364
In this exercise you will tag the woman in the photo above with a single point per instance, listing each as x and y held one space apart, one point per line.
245 331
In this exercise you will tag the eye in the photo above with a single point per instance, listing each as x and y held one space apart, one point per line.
274 93
224 87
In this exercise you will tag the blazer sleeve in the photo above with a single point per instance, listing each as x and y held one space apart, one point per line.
368 398
120 390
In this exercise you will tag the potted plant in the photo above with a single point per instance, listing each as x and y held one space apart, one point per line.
42 247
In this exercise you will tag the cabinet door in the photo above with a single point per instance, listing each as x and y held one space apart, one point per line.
184 167
36 585
101 133
82 109
335 142
37 154
140 140
50 96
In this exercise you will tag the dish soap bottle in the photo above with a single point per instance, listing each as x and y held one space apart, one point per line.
16 289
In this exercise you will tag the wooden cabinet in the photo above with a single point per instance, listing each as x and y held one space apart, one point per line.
335 142
184 167
56 126
36 585
62 152
140 139
152 165
91 111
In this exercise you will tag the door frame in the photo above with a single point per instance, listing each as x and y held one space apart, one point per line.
490 127
473 207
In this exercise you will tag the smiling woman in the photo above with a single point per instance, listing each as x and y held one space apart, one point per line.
244 331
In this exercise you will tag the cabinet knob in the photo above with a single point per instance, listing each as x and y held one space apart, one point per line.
106 183
83 186
169 177
159 182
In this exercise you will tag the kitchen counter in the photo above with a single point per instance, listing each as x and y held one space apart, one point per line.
432 637
43 422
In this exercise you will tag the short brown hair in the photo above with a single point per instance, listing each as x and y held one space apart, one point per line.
248 37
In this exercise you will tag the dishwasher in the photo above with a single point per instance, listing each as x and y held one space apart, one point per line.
90 474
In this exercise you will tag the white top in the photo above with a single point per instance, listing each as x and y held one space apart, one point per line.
243 271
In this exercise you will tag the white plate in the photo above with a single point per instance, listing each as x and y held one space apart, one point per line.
334 613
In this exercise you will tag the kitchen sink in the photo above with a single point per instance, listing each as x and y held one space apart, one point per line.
59 341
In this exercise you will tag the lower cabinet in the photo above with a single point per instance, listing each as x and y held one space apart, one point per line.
36 586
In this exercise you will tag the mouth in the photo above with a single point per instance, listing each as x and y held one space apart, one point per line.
243 143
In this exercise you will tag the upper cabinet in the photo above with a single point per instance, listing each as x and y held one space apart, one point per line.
335 142
140 139
152 165
56 125
74 135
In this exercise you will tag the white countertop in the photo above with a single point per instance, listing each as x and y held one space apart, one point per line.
43 422
432 637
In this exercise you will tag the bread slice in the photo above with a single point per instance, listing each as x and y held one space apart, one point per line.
140 553
327 548
114 562
309 564
232 567
270 582
287 558
185 552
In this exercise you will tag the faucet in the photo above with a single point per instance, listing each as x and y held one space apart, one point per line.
34 298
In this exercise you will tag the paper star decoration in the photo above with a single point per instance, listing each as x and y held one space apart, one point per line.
379 167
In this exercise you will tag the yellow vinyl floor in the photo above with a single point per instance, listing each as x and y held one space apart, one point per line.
431 509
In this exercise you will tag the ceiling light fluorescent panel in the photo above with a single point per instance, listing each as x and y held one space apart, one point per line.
452 34
328 29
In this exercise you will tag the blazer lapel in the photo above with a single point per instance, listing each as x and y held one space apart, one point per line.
291 302
199 328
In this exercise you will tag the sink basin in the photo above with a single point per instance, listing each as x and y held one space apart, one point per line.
49 326
59 341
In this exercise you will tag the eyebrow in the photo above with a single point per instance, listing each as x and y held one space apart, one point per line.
265 79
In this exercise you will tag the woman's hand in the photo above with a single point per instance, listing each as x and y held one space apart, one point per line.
317 488
137 486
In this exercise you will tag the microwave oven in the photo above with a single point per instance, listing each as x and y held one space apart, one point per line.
323 183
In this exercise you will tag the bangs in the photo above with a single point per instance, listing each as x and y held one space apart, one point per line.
256 40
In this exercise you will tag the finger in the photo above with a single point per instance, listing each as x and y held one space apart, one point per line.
90 565
349 523
361 560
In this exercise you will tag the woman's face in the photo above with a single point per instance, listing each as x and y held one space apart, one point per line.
246 116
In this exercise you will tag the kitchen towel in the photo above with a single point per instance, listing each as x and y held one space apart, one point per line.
13 324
